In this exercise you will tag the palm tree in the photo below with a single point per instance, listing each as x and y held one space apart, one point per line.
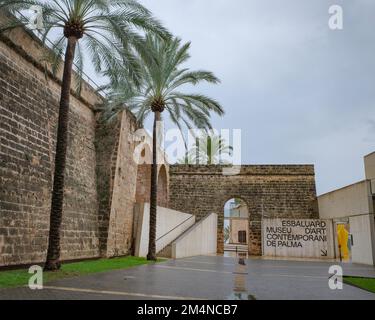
109 32
209 149
189 158
163 78
226 233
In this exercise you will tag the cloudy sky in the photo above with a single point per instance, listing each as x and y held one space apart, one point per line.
300 92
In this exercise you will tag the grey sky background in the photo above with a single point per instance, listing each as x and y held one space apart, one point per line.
300 92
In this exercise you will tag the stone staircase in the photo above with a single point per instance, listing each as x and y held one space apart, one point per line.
199 238
166 252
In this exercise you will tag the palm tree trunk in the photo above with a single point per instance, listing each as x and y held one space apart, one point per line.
209 150
197 160
154 193
53 253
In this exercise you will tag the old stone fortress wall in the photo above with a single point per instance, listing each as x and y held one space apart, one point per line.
103 183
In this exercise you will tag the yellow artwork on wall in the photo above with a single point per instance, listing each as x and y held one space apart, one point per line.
343 241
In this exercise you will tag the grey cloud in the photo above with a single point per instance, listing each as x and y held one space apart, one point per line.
300 92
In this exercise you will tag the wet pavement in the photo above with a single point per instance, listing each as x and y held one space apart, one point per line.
206 277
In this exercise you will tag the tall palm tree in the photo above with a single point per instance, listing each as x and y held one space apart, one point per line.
161 90
109 32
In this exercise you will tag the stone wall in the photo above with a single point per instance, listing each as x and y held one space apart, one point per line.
28 117
101 176
286 191
116 184
120 231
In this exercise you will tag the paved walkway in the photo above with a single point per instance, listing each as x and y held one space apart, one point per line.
208 277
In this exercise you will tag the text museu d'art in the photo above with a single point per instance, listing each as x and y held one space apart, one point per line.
292 233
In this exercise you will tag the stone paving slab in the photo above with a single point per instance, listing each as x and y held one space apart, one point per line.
206 277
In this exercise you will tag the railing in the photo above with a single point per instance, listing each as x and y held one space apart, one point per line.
170 231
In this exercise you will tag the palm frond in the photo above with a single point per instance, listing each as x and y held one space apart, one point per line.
113 30
162 78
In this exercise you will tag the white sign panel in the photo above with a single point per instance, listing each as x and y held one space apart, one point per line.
304 238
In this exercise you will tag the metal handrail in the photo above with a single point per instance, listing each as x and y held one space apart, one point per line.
175 228
194 226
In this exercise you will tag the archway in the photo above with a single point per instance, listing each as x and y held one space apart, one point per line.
143 189
236 226
270 191
162 187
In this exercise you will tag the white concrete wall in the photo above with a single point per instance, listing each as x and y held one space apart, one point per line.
166 220
361 227
355 204
201 239
370 166
349 201
241 212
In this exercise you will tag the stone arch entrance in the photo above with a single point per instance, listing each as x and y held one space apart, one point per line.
270 191
236 225
143 187
253 227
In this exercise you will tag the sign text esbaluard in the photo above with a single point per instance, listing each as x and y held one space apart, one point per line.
296 238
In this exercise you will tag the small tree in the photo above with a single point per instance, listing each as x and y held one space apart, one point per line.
209 149
226 234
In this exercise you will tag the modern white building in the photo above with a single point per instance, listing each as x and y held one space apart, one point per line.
351 210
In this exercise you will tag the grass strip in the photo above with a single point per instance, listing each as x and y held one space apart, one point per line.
20 277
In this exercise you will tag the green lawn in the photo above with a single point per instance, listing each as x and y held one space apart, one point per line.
363 283
17 278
